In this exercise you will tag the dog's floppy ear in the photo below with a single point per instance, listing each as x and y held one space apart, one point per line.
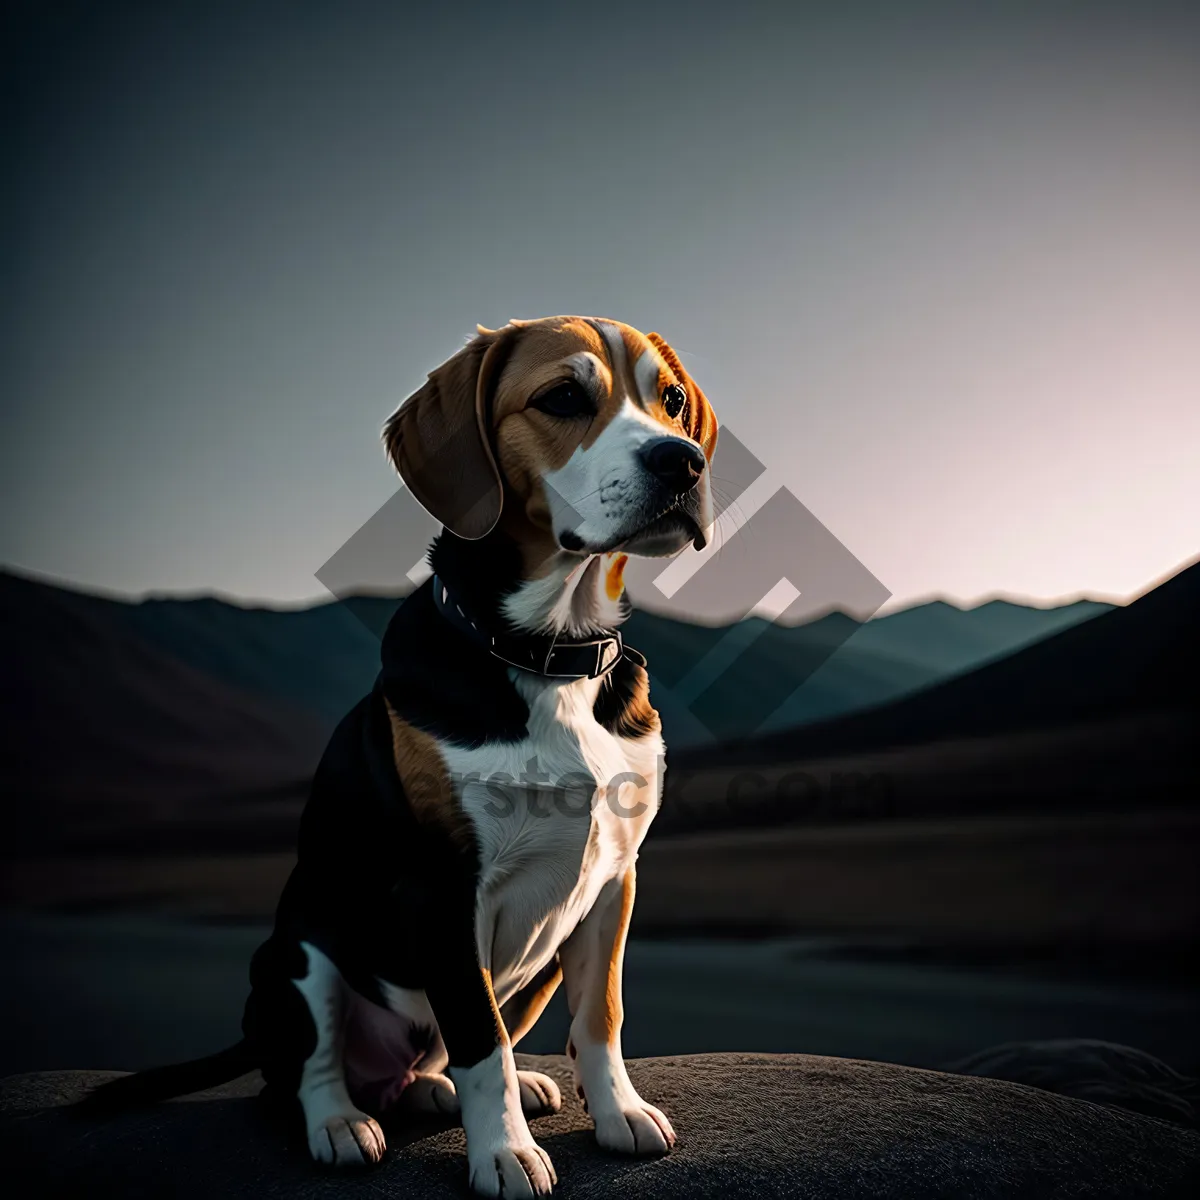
440 438
701 420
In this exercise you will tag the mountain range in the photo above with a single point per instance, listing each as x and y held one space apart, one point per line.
173 714
1139 659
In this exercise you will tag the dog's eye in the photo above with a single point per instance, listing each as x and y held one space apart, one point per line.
564 400
673 399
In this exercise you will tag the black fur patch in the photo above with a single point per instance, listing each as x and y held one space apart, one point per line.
437 679
422 1039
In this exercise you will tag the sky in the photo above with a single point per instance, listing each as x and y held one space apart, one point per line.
936 265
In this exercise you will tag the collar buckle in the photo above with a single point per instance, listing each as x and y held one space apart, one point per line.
608 653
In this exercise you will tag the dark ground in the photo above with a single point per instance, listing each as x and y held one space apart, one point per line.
748 1125
127 992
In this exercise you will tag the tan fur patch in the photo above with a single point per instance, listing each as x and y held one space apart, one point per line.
639 717
435 439
614 577
701 420
524 1015
530 443
501 1031
426 782
605 1011
539 360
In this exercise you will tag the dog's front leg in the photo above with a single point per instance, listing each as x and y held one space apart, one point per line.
592 959
502 1156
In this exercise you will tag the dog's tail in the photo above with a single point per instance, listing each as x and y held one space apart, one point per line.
161 1083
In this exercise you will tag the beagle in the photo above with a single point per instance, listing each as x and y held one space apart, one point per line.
471 835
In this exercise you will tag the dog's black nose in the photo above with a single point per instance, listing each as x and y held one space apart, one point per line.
675 463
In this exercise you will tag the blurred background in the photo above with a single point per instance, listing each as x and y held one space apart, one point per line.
938 268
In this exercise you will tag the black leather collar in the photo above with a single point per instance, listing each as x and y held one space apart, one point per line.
555 657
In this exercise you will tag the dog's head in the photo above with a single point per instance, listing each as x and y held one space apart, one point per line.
584 429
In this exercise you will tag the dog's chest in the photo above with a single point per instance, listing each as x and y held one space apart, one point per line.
556 816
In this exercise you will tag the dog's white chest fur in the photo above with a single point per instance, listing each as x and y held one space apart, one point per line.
556 816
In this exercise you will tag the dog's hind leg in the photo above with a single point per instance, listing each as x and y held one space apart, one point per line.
338 1132
430 1092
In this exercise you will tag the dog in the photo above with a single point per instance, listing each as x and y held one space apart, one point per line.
472 830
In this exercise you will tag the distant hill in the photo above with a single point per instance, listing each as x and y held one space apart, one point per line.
207 716
839 665
323 658
320 659
1140 659
104 732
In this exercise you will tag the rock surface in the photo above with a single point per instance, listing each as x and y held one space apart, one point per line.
748 1125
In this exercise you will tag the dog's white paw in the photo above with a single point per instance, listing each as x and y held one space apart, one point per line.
519 1169
430 1094
628 1125
350 1139
539 1093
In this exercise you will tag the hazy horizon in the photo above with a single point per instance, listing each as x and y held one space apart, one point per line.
939 269
892 606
